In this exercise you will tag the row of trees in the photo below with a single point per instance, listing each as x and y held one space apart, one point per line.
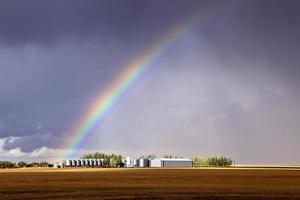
8 164
109 160
212 161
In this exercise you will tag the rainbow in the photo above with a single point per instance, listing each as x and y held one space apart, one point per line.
132 73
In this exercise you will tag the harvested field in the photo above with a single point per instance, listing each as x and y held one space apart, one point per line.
150 184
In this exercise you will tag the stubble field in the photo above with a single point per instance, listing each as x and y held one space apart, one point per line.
150 184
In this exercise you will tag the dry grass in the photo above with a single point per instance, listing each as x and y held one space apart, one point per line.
149 184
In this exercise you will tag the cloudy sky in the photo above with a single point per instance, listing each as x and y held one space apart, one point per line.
228 86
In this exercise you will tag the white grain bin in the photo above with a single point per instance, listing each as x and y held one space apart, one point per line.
134 162
95 162
79 163
55 165
74 163
82 162
99 162
68 163
87 162
128 161
143 162
92 162
61 165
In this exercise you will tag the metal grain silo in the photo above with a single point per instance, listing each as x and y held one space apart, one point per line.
87 162
99 162
128 162
68 163
61 165
55 165
92 162
143 162
82 162
79 163
74 163
96 162
134 163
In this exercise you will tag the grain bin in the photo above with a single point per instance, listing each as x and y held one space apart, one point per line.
68 163
99 162
55 165
134 163
96 162
143 162
74 163
87 162
92 162
128 162
61 165
82 162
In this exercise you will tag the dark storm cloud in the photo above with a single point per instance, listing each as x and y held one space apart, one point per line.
48 22
259 31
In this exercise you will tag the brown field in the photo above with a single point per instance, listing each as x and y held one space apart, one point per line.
150 184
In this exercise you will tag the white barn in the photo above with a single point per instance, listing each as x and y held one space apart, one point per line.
171 162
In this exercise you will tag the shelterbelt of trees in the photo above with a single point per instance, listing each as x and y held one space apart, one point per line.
212 161
8 164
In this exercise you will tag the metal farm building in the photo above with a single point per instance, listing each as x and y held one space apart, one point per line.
171 162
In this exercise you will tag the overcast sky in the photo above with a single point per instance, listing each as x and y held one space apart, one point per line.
228 86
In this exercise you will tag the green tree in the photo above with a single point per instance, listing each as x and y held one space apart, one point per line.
43 164
7 164
21 164
200 162
212 161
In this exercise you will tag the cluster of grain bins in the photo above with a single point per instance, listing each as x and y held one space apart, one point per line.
84 163
171 162
141 162
130 162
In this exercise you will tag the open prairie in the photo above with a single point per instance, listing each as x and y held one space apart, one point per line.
150 184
